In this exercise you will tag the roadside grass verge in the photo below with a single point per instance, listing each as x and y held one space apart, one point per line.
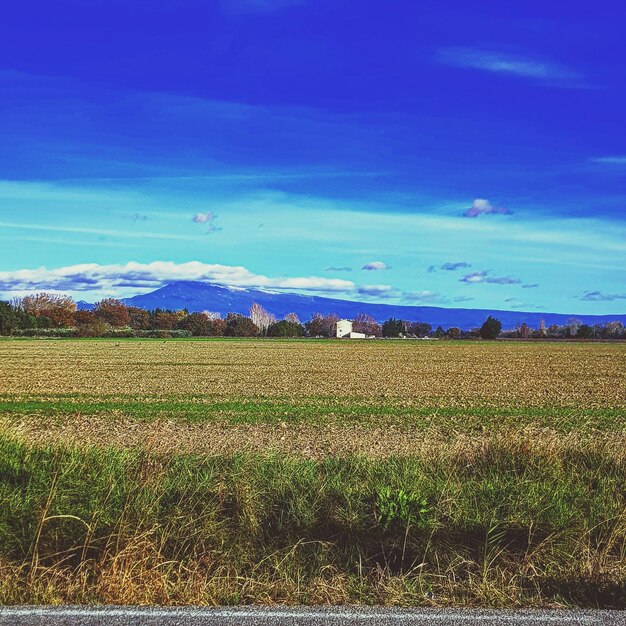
499 524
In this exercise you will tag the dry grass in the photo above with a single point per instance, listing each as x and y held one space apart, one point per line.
166 437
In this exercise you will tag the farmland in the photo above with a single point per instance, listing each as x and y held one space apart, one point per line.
406 472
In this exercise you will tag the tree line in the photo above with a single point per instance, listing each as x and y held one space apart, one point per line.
45 314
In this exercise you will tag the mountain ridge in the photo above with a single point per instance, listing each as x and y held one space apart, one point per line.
223 299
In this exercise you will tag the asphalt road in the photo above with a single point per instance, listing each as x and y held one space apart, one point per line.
290 616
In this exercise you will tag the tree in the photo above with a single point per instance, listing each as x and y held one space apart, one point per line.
292 317
614 329
213 315
571 329
51 310
584 332
163 319
260 317
8 318
238 325
139 318
439 333
285 329
453 333
198 324
393 327
322 325
112 311
219 327
419 329
83 317
491 328
365 323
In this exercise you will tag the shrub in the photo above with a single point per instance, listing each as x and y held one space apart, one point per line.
45 332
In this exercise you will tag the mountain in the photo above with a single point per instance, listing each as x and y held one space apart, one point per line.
222 299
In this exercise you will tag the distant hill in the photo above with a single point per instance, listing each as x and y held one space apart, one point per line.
222 299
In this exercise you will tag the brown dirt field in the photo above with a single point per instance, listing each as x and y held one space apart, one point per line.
410 373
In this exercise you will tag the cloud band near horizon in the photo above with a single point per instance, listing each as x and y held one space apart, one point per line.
117 278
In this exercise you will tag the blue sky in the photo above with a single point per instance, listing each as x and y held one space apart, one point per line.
441 153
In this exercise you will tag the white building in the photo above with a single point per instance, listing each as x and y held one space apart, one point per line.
344 331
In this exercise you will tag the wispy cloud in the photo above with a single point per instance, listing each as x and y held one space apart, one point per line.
515 303
333 268
481 206
599 296
424 297
530 286
610 160
454 266
483 277
380 291
502 63
373 266
98 231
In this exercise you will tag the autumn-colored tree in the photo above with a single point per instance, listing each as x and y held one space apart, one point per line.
139 318
219 327
453 333
112 312
57 310
238 325
161 319
365 323
83 317
198 324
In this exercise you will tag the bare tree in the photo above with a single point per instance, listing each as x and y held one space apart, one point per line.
292 317
261 318
213 315
365 323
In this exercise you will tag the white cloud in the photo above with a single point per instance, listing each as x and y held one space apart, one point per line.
375 265
203 218
208 219
150 276
481 206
